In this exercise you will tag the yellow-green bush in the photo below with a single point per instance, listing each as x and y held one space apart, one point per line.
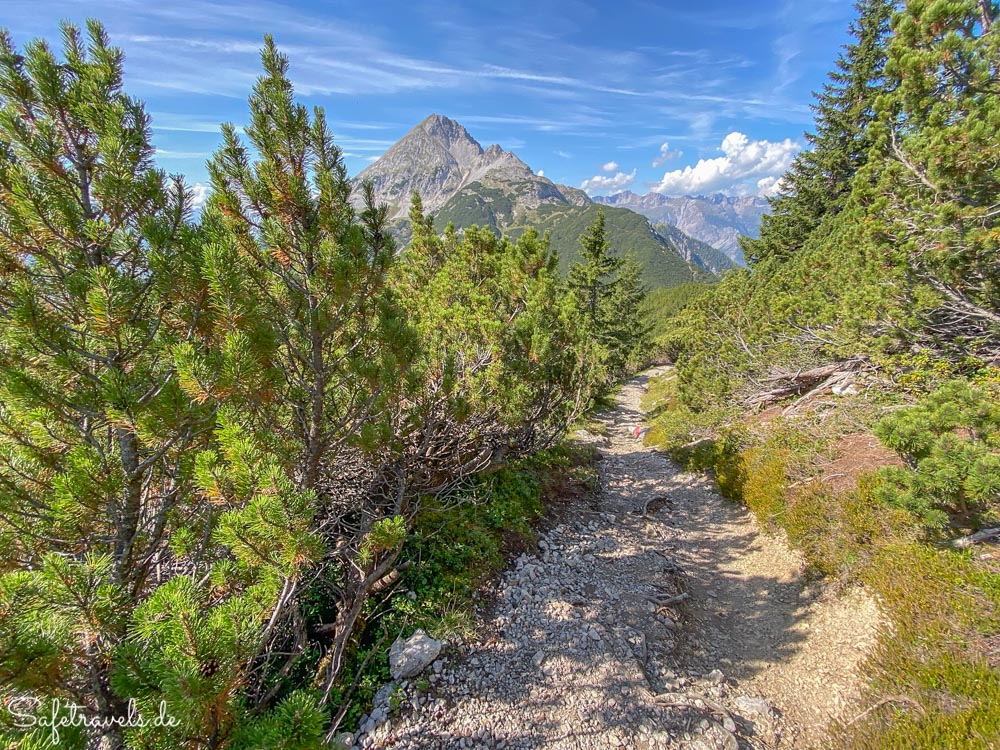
764 482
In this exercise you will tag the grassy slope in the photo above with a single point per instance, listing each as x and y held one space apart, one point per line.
627 231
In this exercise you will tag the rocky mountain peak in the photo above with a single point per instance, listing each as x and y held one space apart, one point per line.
438 158
450 135
718 219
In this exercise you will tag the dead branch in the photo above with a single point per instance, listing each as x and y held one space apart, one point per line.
667 601
813 381
687 700
979 537
891 699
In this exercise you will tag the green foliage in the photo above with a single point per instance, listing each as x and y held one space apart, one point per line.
882 246
951 442
607 296
627 232
99 283
217 440
819 181
661 253
495 335
661 306
943 605
941 126
478 205
298 285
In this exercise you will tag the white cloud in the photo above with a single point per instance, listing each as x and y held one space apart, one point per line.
540 173
199 194
742 160
618 182
611 166
666 155
768 186
564 154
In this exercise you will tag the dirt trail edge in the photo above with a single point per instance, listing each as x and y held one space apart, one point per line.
664 618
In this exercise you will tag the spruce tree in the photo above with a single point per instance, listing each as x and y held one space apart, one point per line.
96 433
608 296
819 179
629 329
593 277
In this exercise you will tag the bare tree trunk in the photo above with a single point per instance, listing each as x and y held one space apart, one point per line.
347 618
986 13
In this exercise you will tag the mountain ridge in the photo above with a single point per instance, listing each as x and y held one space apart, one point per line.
464 184
438 157
718 220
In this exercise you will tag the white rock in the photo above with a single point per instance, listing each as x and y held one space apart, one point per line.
410 657
753 706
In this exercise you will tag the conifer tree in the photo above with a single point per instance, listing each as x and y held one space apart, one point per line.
96 434
495 378
593 277
629 329
820 177
608 297
938 191
306 363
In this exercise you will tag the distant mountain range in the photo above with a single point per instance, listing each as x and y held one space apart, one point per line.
717 219
461 182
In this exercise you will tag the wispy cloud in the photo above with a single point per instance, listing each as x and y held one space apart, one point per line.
162 153
172 121
666 154
541 77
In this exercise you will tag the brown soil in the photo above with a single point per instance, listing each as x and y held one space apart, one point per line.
856 454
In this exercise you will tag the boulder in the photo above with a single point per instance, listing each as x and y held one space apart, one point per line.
410 657
753 707
585 436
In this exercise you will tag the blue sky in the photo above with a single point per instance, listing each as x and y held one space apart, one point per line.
680 97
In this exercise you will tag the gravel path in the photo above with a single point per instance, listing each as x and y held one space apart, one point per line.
663 618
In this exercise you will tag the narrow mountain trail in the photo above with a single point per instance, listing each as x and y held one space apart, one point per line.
663 617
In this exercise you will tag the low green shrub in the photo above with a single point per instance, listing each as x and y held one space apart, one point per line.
453 551
950 440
